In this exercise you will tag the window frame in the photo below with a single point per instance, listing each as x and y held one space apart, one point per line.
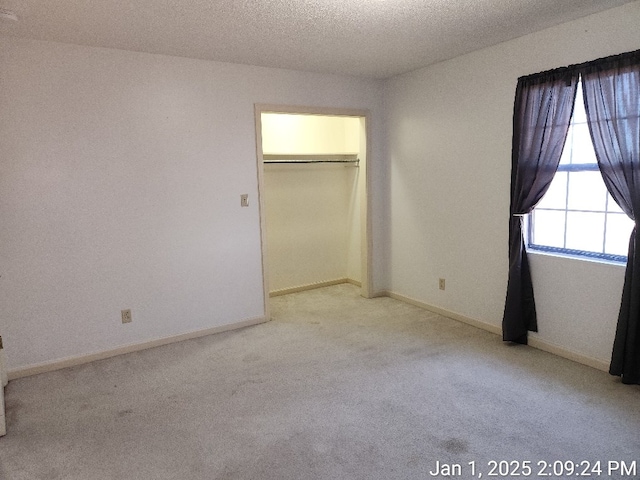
568 252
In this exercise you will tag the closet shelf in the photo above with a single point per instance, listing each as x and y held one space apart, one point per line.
347 158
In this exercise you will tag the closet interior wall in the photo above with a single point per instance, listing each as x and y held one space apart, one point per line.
312 210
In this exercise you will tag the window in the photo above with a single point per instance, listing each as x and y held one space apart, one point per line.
577 216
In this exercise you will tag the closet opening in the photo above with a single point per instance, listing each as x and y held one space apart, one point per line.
313 197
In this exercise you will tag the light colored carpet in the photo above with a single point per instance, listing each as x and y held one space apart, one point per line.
335 387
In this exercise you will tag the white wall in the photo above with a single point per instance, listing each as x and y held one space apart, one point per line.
120 178
357 236
312 227
449 145
289 134
307 217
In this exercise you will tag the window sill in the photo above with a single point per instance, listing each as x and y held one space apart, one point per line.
580 258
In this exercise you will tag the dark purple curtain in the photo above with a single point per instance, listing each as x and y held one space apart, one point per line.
612 101
542 111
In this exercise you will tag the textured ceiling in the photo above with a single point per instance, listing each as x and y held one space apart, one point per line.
370 38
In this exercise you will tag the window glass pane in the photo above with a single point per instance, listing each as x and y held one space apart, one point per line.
548 228
619 228
556 196
586 191
579 113
565 158
612 206
585 231
582 147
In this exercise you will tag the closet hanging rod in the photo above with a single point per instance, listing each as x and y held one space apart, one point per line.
289 159
289 162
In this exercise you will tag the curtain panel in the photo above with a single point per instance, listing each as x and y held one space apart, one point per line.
542 111
612 101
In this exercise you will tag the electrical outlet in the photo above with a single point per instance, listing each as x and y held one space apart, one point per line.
441 284
126 316
244 200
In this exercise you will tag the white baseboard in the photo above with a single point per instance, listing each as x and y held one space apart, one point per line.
3 421
3 382
534 341
446 313
44 367
312 286
3 367
546 346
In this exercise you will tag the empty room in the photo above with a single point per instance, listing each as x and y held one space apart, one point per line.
328 239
